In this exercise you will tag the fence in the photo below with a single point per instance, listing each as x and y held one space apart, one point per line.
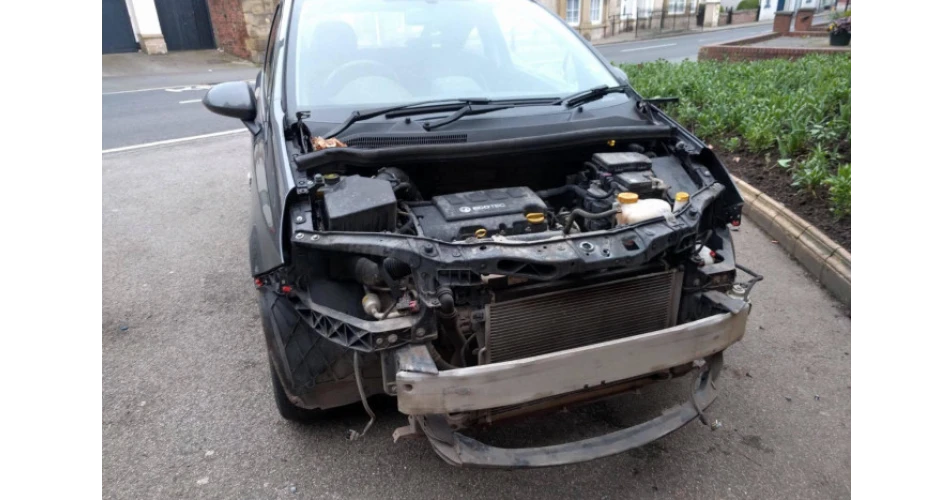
650 20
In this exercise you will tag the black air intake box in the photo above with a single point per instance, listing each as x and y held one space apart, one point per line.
358 203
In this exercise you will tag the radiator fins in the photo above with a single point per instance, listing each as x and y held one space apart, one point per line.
582 316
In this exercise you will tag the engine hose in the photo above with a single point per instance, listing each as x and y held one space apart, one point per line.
404 229
438 360
579 190
578 212
400 181
396 268
448 320
365 271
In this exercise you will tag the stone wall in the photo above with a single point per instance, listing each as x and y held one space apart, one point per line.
258 14
242 26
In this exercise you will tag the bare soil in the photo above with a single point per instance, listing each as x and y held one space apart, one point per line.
753 169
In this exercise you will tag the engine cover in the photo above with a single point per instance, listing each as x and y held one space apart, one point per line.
498 211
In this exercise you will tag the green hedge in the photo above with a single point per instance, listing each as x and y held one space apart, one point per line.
794 113
747 5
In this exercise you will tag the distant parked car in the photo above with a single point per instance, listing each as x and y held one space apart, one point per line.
463 205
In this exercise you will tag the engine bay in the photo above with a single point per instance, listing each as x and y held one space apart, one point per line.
604 193
422 252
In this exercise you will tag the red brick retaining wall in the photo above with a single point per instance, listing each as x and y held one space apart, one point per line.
740 50
740 17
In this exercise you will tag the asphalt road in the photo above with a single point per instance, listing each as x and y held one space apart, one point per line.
188 410
157 107
675 48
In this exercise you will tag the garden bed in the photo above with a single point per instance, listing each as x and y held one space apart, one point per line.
776 183
783 126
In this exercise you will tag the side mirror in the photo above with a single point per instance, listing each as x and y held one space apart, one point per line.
231 99
620 74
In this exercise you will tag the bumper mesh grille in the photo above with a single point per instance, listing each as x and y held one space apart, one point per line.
582 316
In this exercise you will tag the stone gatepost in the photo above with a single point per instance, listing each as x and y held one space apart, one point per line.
712 13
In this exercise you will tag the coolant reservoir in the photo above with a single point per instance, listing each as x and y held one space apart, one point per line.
634 210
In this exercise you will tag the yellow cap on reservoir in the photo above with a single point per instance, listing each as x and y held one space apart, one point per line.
682 196
480 233
535 218
626 198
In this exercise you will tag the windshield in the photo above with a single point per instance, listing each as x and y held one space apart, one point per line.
356 53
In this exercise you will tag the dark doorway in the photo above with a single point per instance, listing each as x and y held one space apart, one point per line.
185 24
117 33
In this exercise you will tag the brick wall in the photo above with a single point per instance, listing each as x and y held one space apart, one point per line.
228 21
739 51
242 26
740 17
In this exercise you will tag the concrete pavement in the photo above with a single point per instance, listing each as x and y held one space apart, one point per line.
188 411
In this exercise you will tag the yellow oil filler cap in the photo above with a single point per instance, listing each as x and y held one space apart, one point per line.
535 218
480 233
626 198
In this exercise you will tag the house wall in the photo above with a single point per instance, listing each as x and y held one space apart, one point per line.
145 26
552 5
767 9
589 29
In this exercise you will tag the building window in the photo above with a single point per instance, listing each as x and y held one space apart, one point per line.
645 8
675 6
595 12
572 12
767 4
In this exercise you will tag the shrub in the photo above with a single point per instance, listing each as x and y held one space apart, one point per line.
839 185
748 5
790 110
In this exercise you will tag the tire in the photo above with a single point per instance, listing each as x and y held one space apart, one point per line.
286 408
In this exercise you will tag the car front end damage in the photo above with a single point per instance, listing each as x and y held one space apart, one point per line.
478 287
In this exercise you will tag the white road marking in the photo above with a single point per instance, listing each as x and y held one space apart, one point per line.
188 88
189 101
177 88
649 47
173 141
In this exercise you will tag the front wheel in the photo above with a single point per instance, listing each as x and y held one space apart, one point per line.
286 408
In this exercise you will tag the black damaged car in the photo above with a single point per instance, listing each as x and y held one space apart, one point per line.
462 205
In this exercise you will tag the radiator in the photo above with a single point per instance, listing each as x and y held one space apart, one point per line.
576 317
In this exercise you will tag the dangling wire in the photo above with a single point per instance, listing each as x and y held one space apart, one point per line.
353 435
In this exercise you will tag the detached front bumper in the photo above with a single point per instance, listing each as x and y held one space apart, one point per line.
427 394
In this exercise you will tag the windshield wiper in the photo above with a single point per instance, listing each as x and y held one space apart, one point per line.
404 109
589 95
478 109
